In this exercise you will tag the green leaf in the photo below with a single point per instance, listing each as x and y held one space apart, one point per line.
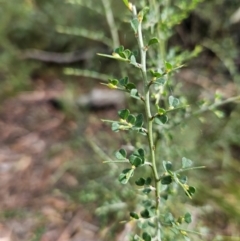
183 179
133 60
123 114
140 182
190 191
142 13
148 181
119 50
113 81
166 180
131 119
125 175
121 154
155 74
134 215
161 111
147 190
168 218
135 160
145 214
123 81
146 236
153 41
173 102
115 126
134 94
167 166
139 120
130 86
127 53
168 66
161 119
135 52
147 203
186 162
160 81
123 56
141 153
180 220
134 24
188 218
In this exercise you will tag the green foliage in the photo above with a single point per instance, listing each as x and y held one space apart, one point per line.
154 218
128 121
152 79
41 25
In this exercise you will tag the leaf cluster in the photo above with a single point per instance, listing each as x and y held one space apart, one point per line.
128 121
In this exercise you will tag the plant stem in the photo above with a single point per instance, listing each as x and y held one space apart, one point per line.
209 108
155 9
162 43
217 104
149 119
111 23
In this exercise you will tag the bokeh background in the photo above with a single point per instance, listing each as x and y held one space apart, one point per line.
53 184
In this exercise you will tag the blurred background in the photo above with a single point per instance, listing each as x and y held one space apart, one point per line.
53 184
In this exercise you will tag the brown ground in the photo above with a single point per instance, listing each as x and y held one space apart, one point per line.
32 157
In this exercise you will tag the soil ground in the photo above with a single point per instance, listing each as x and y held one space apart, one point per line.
32 154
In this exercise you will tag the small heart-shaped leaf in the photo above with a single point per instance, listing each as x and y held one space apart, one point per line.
123 114
121 154
140 182
125 175
186 162
131 119
115 127
161 119
123 81
153 41
167 166
134 94
173 102
168 66
148 181
139 120
160 81
134 24
190 191
130 86
134 215
161 111
135 160
166 180
145 214
146 236
133 60
188 218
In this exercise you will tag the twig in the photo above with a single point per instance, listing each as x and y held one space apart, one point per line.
111 23
59 58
